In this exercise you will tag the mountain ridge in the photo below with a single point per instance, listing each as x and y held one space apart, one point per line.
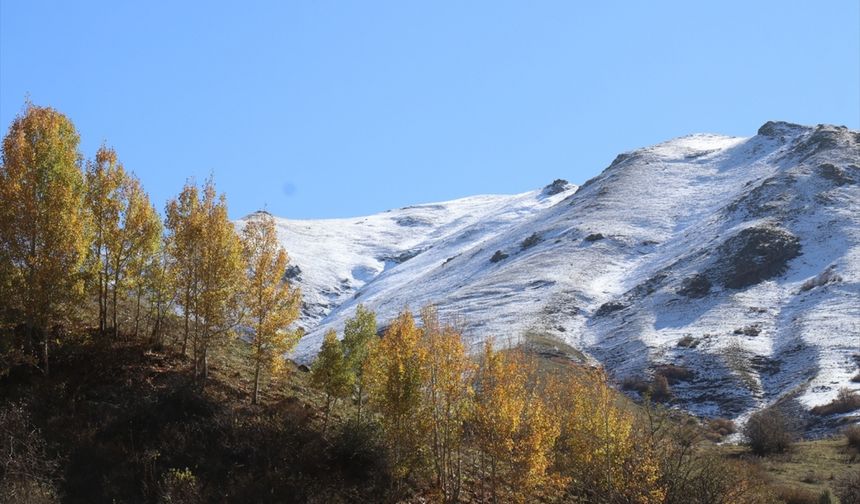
716 238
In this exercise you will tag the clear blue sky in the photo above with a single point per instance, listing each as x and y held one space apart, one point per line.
335 108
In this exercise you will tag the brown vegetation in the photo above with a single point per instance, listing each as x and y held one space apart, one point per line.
846 401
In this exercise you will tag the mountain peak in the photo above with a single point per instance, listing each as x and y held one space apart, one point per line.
557 186
775 129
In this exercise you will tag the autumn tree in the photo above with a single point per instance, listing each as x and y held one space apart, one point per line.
269 301
359 334
221 278
210 270
184 244
448 398
134 242
395 376
126 232
601 449
103 179
43 235
515 431
160 291
330 373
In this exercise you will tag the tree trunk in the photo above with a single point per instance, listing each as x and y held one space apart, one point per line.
115 293
327 411
137 311
254 398
185 337
45 367
205 364
360 393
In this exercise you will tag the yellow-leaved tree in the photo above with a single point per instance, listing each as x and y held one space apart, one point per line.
359 336
270 303
601 451
515 430
221 278
126 232
184 246
104 176
396 372
448 399
331 373
210 270
160 291
43 232
134 243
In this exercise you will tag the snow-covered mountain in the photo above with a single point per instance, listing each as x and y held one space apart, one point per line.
736 258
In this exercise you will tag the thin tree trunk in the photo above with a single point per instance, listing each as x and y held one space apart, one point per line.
360 394
46 367
254 398
137 311
115 293
328 402
187 314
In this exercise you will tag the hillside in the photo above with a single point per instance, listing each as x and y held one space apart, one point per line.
737 259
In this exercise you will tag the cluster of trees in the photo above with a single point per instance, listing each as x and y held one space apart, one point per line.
84 252
81 245
499 427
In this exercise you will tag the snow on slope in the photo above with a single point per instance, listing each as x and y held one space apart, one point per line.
704 239
333 259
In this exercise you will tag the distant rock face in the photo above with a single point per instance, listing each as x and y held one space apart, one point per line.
775 129
753 255
557 186
696 286
410 221
836 174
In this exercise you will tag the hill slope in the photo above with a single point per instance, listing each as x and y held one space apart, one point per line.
737 258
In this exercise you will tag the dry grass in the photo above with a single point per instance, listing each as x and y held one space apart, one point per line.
813 466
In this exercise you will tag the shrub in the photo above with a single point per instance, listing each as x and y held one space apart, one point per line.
27 473
852 436
657 389
797 495
769 431
688 341
357 448
845 401
847 488
179 486
636 384
530 242
856 378
660 390
498 256
674 373
722 427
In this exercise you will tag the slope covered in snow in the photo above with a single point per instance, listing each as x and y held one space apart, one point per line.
736 258
333 260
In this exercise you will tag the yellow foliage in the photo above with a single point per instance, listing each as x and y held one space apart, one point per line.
516 429
396 371
43 231
210 268
600 449
270 302
448 398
